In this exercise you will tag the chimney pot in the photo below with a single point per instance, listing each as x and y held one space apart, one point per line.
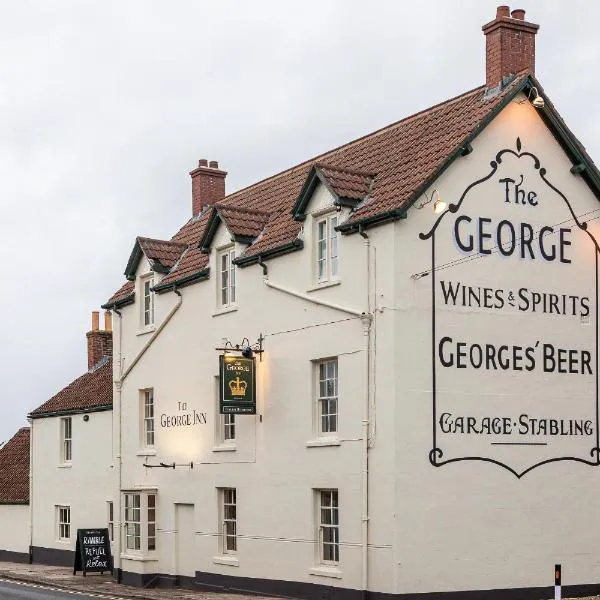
208 185
99 343
502 11
510 46
108 321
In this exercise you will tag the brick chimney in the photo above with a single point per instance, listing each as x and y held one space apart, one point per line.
208 185
99 341
510 45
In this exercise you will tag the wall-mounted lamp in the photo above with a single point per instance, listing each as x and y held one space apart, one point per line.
439 206
247 349
537 100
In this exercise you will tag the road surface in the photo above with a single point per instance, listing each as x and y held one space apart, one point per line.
17 591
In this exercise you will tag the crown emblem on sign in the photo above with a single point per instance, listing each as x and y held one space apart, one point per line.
238 387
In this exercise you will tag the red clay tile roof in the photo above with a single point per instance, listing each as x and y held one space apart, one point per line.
347 183
193 262
93 390
14 469
166 253
241 221
404 156
122 296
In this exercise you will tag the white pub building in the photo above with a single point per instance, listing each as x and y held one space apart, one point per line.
374 374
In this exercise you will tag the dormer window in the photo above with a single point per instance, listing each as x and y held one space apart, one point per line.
226 282
326 248
147 302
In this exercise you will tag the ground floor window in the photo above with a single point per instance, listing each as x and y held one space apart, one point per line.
139 521
328 526
110 509
228 511
64 522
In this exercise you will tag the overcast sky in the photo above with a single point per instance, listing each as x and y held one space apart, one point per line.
106 106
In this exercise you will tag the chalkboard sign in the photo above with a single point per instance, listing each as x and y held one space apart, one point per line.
92 551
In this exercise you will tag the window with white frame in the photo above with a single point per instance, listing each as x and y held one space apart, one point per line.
228 425
147 417
66 439
228 512
327 397
110 513
328 527
63 519
139 521
326 248
226 280
147 302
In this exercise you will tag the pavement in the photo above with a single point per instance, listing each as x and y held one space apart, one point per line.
62 578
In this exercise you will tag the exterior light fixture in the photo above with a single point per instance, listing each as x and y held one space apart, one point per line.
537 101
439 206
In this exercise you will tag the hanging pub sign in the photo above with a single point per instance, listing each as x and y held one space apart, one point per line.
92 551
238 385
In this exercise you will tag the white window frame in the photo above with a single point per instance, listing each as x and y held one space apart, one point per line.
66 440
225 425
228 426
139 522
147 304
328 526
63 523
226 279
147 418
326 407
326 248
110 519
228 520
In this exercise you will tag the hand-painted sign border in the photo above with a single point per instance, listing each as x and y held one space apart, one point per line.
436 454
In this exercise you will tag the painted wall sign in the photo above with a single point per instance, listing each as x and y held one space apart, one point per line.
237 385
92 551
183 417
514 275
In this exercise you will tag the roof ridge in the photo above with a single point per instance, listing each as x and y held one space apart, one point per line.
251 211
149 239
346 170
359 139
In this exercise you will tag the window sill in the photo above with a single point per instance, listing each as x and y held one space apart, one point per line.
225 448
224 311
326 571
322 286
230 561
146 330
66 465
322 442
146 452
138 557
65 541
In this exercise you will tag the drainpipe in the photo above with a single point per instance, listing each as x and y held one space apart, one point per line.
118 387
30 491
367 322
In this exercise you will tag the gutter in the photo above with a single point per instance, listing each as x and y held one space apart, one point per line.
74 411
245 261
199 276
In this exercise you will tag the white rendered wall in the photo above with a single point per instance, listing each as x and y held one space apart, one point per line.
86 484
14 528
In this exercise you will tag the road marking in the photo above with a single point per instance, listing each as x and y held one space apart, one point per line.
62 590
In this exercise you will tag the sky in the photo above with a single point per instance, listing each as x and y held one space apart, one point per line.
106 106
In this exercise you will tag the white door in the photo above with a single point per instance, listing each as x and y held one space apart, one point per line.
184 540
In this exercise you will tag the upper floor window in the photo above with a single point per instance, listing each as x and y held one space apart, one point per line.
147 413
66 439
226 280
147 302
327 396
326 248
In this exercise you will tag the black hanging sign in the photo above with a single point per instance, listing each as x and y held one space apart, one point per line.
92 551
238 385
